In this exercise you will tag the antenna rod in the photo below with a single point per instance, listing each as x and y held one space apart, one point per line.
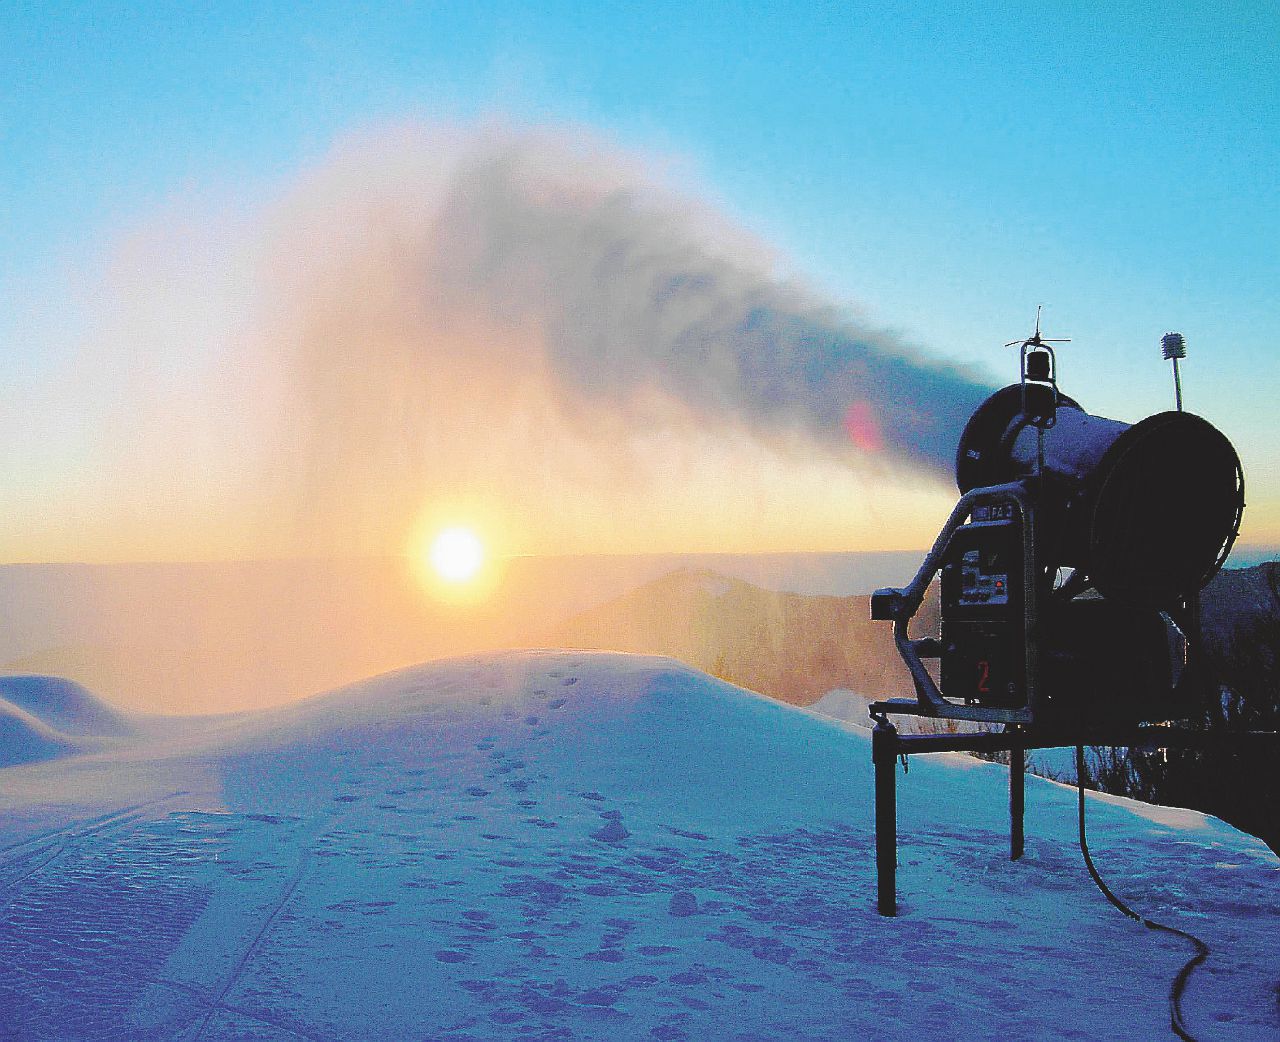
1174 346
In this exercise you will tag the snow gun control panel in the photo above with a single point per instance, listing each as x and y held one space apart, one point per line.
982 656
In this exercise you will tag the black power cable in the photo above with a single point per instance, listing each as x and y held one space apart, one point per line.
1202 950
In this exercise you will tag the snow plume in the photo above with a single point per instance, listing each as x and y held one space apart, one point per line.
476 310
507 328
627 299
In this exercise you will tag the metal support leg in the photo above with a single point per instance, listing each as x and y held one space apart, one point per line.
1017 799
884 756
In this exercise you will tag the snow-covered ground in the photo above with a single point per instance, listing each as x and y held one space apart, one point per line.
572 846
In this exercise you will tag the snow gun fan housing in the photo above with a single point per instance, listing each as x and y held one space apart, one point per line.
1071 565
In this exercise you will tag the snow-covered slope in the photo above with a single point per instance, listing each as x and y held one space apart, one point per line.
65 705
572 846
25 738
790 646
43 718
846 706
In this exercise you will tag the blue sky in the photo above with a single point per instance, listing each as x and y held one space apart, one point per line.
943 168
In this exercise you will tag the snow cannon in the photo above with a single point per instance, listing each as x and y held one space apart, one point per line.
1071 566
1148 511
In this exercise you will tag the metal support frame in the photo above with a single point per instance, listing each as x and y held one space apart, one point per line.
887 746
906 602
884 756
1017 800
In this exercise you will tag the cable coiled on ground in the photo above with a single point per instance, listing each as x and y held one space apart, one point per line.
1179 985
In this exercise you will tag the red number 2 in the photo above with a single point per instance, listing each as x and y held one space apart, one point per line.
984 674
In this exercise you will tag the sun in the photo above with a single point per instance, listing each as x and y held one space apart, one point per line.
456 555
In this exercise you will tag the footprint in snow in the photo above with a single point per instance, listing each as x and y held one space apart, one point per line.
613 831
542 823
686 833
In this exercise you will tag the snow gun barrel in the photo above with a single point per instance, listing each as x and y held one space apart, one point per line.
1149 511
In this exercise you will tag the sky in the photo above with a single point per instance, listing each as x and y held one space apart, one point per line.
231 324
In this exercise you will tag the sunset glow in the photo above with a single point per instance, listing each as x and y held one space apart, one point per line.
457 555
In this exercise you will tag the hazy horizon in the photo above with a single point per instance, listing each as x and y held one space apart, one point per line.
216 636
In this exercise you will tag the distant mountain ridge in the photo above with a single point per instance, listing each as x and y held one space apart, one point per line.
790 646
